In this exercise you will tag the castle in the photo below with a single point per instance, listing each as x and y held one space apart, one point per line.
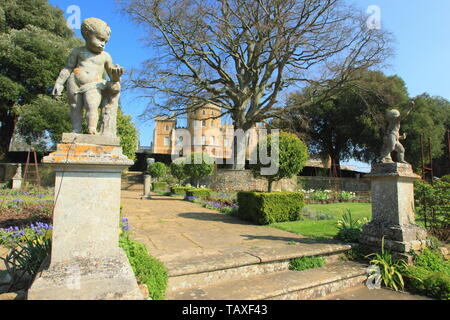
204 133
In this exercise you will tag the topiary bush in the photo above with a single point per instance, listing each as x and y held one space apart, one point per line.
157 170
266 208
160 186
198 193
147 269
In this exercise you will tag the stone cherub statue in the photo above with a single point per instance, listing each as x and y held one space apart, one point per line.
391 141
87 87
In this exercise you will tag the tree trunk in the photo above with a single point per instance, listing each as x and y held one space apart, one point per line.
270 187
335 168
238 145
8 124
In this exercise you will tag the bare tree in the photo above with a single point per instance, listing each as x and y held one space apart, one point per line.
241 54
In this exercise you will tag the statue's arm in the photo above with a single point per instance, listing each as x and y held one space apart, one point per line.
65 73
114 71
412 103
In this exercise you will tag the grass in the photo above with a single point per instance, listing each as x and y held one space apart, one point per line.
305 263
320 229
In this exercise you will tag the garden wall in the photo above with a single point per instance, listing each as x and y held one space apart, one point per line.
240 180
338 184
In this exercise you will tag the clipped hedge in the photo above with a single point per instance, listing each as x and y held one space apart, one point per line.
180 191
266 208
161 186
198 193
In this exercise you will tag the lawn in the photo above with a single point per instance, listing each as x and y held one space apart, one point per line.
314 228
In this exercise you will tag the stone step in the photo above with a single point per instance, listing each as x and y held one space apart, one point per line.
283 285
236 265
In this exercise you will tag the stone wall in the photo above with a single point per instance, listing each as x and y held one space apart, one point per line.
238 180
339 184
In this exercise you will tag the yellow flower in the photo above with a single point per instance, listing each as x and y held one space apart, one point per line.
120 232
48 235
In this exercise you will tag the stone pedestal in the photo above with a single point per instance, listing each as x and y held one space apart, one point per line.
147 186
17 179
86 262
393 214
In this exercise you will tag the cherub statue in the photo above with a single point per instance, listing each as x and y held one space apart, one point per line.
391 141
87 87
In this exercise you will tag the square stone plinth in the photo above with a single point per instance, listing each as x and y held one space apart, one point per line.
86 262
393 213
103 278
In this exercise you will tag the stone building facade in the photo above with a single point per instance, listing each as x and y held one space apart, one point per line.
205 132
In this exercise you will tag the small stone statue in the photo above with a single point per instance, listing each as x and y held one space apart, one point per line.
391 141
87 87
18 174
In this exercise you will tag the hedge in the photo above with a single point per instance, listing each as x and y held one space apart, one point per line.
266 208
199 193
181 191
161 186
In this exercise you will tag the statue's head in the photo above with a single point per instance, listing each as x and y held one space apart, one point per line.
392 114
96 32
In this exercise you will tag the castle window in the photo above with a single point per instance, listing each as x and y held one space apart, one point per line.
180 141
212 123
166 128
203 123
211 140
226 142
166 141
204 112
203 140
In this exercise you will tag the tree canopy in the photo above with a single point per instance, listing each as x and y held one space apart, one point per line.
34 45
128 134
240 55
351 122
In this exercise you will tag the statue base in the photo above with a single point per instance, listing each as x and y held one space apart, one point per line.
86 225
393 214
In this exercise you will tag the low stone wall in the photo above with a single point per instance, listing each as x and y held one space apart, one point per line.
339 184
239 180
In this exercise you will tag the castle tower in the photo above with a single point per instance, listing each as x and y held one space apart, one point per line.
205 127
162 134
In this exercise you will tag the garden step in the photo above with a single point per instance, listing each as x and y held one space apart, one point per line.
283 285
213 269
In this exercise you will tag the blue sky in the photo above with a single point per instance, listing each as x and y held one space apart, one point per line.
422 44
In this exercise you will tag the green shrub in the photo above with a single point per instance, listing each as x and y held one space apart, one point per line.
432 260
147 269
431 283
177 169
198 193
305 263
266 208
199 166
157 170
349 229
292 156
430 275
159 186
432 207
180 191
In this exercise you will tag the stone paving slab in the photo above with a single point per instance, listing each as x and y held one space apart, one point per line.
172 229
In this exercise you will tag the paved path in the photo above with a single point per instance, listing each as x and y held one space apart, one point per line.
172 228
